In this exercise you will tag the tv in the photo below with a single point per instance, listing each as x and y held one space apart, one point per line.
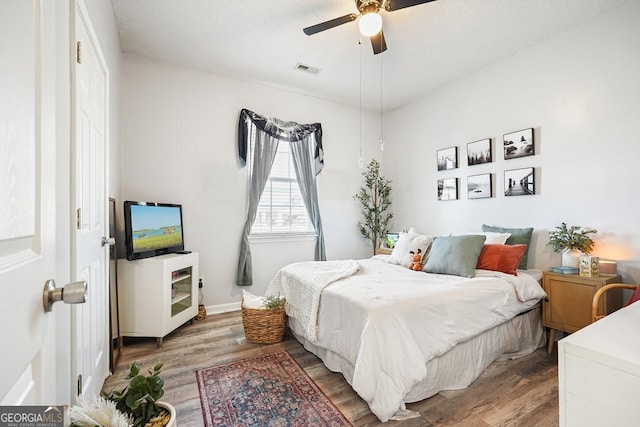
152 229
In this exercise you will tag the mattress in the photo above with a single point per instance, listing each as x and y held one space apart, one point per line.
461 365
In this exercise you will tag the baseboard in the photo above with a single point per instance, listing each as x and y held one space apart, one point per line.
223 308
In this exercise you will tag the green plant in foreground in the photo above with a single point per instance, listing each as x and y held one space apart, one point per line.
572 237
273 302
138 399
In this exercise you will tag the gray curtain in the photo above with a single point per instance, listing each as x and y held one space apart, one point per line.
264 152
306 175
306 144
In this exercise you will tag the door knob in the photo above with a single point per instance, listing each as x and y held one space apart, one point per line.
108 241
72 293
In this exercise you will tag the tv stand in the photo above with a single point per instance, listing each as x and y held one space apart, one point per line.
157 295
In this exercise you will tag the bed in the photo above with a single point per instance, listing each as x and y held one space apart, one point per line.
399 336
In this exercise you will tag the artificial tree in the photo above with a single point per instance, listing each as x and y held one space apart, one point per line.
375 201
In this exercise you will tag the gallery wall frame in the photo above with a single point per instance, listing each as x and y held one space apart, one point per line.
448 189
519 182
479 152
447 158
518 144
480 186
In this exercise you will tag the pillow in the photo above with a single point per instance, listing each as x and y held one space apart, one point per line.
456 255
492 238
503 258
252 301
635 297
518 236
409 242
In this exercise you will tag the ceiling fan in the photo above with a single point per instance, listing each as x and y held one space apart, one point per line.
370 22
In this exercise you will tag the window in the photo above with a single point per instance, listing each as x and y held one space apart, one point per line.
281 209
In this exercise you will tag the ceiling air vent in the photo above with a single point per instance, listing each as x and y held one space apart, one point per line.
307 68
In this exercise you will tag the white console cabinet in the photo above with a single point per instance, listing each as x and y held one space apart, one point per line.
157 295
599 372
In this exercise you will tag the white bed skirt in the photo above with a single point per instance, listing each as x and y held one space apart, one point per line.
460 366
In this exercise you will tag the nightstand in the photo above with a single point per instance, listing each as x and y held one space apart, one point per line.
567 307
383 251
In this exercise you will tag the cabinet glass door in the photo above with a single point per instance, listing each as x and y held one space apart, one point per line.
181 287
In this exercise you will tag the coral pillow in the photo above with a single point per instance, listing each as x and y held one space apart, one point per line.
503 258
635 297
519 236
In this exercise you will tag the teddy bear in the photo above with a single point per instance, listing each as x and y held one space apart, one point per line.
416 260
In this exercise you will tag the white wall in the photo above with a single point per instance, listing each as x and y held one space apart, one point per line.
178 133
580 90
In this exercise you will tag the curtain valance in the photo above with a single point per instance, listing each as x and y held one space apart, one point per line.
281 130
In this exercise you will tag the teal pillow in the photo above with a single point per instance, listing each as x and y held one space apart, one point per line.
518 236
455 255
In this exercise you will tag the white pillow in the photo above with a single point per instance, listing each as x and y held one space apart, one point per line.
252 301
492 238
409 242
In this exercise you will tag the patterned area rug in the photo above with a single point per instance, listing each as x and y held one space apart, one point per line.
267 390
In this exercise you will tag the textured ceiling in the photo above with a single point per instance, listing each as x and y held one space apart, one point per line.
430 45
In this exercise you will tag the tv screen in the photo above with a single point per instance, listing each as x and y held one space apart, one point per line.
152 229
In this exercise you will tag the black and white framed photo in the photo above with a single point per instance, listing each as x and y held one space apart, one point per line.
479 152
519 182
518 144
448 189
448 158
479 186
392 239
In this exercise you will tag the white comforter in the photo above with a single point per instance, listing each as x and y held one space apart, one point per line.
388 321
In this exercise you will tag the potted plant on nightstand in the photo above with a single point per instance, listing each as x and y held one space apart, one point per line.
571 241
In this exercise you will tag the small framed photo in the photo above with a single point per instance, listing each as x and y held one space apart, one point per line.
518 144
448 189
479 186
448 158
519 182
479 152
392 239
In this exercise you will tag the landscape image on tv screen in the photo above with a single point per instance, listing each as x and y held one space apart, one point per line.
155 227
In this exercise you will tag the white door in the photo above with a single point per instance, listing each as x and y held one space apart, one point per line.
27 201
89 333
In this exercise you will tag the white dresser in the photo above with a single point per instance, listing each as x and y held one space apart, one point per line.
599 372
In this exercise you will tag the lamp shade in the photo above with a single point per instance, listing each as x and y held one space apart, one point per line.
608 267
370 24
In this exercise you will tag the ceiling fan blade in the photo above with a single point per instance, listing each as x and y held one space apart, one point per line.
378 43
329 24
392 5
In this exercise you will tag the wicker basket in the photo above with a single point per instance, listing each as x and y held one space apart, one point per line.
263 326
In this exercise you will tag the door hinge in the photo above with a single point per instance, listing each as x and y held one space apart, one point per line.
79 52
79 385
79 218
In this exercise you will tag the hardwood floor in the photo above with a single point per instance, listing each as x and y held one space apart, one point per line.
522 392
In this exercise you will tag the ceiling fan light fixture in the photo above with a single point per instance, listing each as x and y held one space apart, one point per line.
370 24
